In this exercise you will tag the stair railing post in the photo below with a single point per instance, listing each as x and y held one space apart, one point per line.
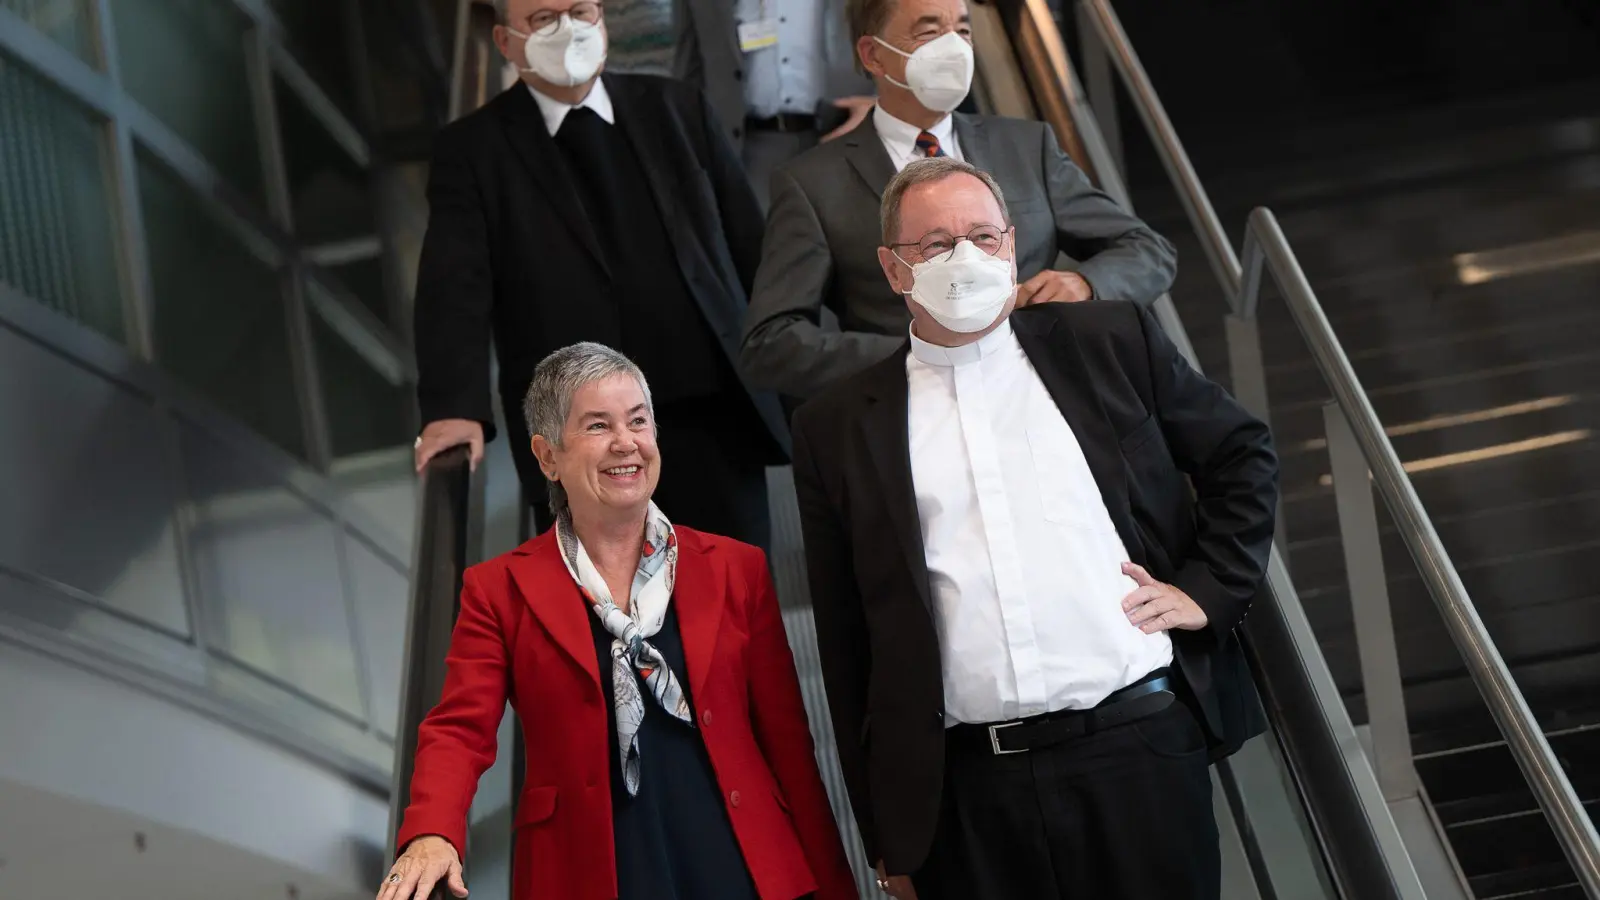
1369 601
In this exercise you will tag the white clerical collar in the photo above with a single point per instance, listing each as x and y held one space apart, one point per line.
935 355
902 136
555 111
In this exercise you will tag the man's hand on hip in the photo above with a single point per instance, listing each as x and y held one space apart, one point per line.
1157 606
1051 286
440 436
897 886
858 107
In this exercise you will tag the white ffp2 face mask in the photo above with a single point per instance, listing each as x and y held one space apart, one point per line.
569 56
966 290
939 73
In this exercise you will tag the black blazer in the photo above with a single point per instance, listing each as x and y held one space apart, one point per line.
1145 420
510 252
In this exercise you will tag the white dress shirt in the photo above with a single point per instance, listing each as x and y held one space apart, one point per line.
1023 561
900 138
555 111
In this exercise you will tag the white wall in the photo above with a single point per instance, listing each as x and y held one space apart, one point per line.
90 742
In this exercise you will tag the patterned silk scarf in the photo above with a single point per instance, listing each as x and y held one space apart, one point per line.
631 650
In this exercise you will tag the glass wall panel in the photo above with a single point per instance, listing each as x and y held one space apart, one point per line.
364 280
90 488
218 315
330 193
56 237
184 60
267 570
319 40
365 412
69 23
379 590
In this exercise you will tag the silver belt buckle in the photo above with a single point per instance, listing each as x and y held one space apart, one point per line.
994 739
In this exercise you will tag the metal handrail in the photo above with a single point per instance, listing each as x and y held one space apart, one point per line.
1552 788
448 539
1539 765
449 524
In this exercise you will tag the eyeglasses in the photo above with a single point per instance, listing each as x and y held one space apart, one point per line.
935 245
546 21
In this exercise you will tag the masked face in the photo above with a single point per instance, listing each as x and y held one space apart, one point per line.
939 73
965 290
568 55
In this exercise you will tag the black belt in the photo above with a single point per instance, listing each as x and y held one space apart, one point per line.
1145 697
782 122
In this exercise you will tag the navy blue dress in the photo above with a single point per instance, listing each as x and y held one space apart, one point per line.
673 840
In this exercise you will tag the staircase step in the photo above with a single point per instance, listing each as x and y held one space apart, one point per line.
1310 512
1548 881
1483 782
1469 536
1560 631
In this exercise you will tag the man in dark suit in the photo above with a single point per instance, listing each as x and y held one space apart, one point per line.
1026 618
580 207
821 227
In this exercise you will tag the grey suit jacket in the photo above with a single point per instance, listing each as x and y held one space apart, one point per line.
707 55
821 248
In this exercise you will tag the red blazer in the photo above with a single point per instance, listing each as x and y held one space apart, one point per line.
523 634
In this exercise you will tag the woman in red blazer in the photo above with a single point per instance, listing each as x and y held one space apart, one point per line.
668 751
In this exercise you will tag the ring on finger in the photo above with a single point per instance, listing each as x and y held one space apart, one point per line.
394 877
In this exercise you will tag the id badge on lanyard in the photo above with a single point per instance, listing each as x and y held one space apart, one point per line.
759 34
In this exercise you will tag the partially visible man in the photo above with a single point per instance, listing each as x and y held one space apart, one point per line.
821 227
581 207
1026 619
780 74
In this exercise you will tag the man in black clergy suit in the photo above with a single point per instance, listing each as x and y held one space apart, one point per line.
580 207
1026 616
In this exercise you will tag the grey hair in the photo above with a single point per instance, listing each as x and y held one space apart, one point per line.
557 378
500 11
928 171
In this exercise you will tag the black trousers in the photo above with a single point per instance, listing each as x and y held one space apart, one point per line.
711 480
1124 814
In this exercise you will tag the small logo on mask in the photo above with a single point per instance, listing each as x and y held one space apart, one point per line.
958 289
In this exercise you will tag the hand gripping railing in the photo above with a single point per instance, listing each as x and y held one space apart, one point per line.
1357 446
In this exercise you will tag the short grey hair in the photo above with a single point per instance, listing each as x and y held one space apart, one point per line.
928 171
557 378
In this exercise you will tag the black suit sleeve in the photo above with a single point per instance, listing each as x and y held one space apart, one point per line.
455 293
1120 256
1227 454
842 641
742 221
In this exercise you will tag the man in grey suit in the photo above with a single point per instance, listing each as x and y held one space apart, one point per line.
780 74
819 255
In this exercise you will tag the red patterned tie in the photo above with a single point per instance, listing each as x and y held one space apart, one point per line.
929 145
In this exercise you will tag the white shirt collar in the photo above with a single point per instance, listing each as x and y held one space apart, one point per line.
935 355
555 111
901 137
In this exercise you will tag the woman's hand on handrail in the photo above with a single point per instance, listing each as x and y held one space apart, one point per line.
428 860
